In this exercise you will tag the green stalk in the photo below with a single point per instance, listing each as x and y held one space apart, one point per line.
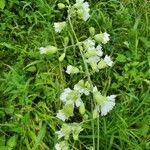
87 73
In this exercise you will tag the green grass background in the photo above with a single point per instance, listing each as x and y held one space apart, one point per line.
30 84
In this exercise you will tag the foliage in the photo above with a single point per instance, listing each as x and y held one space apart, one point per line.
31 84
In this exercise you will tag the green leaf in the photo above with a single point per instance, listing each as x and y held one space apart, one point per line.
2 4
121 58
40 137
2 140
12 142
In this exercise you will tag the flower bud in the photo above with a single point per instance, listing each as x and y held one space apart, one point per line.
85 117
61 5
72 70
51 49
99 38
61 58
102 37
92 31
66 40
82 109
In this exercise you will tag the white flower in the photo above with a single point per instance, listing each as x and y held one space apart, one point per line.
69 68
89 44
82 9
60 133
105 37
95 89
78 102
72 70
108 60
86 10
57 147
43 50
64 94
93 53
81 89
99 51
61 116
93 59
108 105
59 26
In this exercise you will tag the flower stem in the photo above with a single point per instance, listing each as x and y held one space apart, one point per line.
87 73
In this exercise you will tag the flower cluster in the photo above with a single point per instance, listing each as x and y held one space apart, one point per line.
94 53
80 9
73 98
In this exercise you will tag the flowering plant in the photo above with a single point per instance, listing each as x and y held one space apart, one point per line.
91 51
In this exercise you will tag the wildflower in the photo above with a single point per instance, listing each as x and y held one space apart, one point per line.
61 115
105 37
76 129
64 132
72 97
59 26
108 105
83 88
48 49
102 37
72 70
64 94
108 60
103 63
80 8
93 53
63 145
89 44
57 147
43 50
99 51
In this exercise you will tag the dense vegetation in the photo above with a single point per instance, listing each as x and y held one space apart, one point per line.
30 83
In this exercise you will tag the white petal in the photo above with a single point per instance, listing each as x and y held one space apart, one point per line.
99 51
93 59
61 115
60 134
43 50
69 68
108 105
95 89
78 102
106 37
57 147
108 60
64 94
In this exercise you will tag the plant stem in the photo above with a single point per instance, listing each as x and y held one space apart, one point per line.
87 73
97 133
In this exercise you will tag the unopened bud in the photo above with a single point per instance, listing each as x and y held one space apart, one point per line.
82 109
61 5
61 58
66 41
92 31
